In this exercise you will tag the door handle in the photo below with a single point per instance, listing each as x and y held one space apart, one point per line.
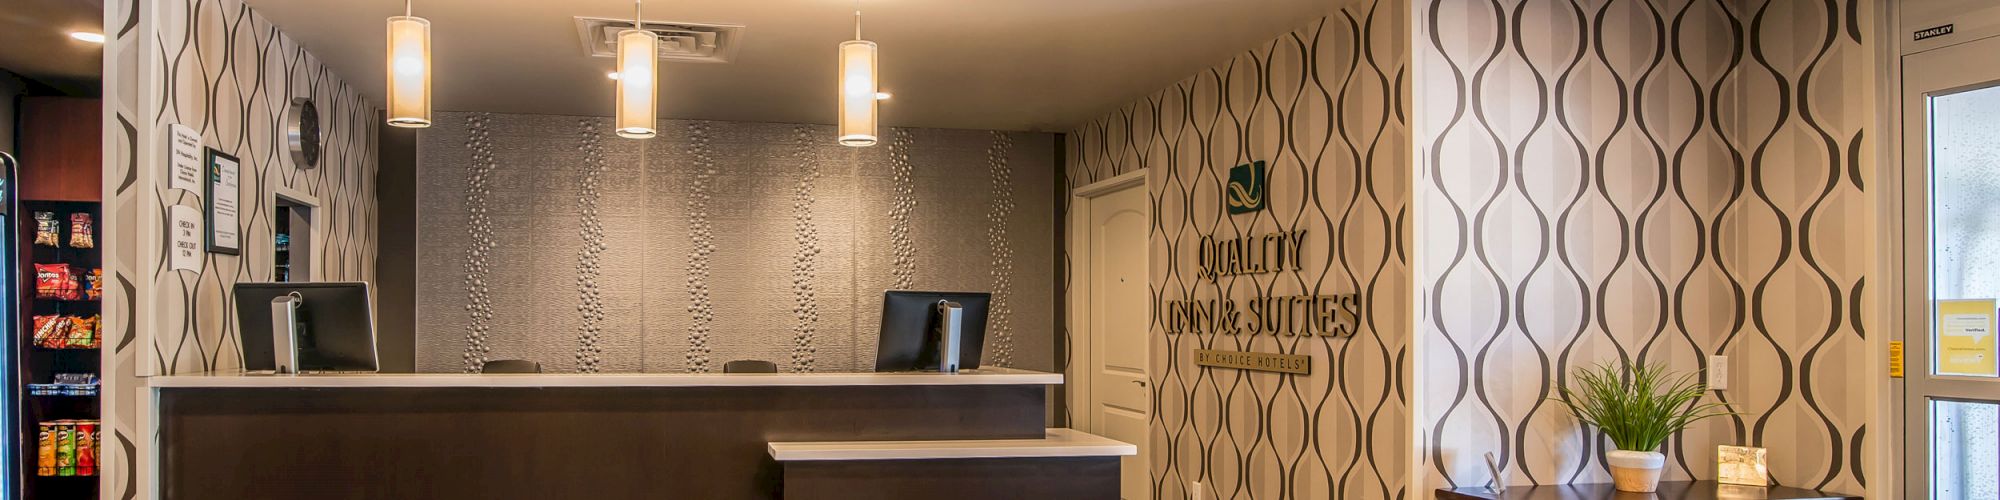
1141 383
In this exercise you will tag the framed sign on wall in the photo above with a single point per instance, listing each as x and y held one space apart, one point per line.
223 190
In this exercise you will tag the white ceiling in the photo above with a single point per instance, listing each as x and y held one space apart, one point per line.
1043 65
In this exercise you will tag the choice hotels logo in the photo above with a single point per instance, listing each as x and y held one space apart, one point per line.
1245 193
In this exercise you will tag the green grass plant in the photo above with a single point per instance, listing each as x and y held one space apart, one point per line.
1638 408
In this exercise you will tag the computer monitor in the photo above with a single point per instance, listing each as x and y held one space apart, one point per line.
910 322
333 326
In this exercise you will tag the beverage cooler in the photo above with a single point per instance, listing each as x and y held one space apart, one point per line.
52 308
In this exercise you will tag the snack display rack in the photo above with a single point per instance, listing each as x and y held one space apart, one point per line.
59 345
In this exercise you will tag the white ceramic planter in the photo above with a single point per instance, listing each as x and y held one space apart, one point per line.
1635 471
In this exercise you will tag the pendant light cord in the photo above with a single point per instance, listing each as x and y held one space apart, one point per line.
406 8
638 12
857 19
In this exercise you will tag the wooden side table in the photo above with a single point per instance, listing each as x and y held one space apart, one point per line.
1669 490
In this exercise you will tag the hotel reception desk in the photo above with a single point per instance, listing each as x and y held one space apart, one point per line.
974 434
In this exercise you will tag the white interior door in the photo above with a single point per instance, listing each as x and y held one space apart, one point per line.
1120 399
1951 146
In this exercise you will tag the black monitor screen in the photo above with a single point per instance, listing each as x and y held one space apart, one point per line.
909 324
336 325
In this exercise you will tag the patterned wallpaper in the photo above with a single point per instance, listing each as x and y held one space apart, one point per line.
544 238
230 76
1604 181
221 69
121 401
1323 106
1653 181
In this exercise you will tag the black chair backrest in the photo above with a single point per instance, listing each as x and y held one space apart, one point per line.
750 366
511 366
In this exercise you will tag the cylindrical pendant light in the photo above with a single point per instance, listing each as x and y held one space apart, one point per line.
638 65
857 89
409 70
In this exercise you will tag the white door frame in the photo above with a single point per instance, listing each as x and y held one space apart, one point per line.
315 232
1920 386
1077 376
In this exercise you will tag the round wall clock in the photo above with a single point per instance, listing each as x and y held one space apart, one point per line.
302 132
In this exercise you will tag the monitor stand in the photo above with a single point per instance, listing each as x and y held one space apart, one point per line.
285 332
950 317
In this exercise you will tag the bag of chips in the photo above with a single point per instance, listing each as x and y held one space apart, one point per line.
47 230
50 330
93 284
55 282
82 332
79 231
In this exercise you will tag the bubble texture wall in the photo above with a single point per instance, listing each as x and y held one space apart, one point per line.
720 241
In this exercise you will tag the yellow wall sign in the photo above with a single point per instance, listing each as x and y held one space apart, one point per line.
1298 364
1964 339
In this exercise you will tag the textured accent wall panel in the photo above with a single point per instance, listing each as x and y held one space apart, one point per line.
479 233
899 214
806 259
589 261
1322 105
1000 315
1630 182
796 251
701 233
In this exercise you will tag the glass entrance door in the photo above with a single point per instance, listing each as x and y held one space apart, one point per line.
1951 143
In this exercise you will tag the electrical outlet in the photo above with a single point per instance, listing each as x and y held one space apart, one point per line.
1196 491
1718 372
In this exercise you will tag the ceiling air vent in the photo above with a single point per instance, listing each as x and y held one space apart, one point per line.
690 42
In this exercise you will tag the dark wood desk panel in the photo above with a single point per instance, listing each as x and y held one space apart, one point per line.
1669 490
554 442
1093 478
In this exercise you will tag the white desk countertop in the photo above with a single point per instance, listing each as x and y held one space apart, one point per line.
1058 443
982 376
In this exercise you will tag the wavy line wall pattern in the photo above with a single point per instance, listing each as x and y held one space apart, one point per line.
220 68
1643 181
1562 182
1322 105
120 401
1603 180
723 241
230 75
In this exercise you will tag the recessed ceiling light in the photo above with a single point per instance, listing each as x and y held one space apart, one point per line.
881 96
87 36
612 75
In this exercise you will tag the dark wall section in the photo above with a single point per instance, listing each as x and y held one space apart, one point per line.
61 148
396 264
1059 321
12 87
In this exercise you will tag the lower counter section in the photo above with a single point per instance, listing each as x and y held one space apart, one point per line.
561 442
956 479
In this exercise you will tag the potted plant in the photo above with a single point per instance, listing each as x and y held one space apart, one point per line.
1638 409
